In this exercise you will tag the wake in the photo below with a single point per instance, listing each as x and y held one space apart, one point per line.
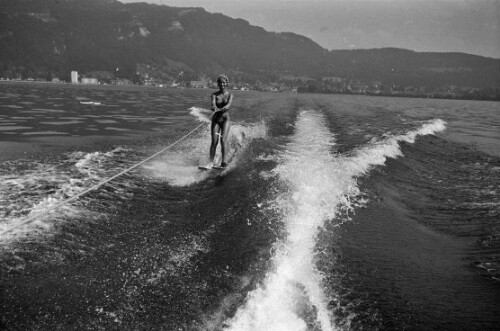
320 184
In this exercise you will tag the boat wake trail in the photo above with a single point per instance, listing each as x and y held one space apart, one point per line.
320 184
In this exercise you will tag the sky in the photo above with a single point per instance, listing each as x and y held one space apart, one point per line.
468 26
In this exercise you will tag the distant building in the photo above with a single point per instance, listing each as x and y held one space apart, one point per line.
90 81
121 82
333 79
74 77
198 84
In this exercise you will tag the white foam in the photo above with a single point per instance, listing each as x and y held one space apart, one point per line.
201 114
321 184
179 166
25 195
377 152
294 285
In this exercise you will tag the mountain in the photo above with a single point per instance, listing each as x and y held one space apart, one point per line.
44 36
404 67
49 38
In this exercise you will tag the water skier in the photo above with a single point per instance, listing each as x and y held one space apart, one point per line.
221 103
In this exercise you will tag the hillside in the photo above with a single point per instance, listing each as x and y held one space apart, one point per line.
49 38
40 37
404 67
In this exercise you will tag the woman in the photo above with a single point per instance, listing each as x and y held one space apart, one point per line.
221 103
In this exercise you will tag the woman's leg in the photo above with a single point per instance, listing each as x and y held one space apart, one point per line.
214 129
224 138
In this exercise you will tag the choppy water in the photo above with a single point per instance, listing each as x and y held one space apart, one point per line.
336 213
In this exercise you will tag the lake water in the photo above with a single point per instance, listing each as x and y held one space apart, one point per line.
336 212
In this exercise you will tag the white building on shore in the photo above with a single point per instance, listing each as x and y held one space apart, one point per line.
74 77
92 81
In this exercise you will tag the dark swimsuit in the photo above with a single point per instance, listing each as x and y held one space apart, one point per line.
220 119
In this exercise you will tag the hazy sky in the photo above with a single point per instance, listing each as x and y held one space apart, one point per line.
469 26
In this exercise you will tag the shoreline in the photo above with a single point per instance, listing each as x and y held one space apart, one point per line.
387 95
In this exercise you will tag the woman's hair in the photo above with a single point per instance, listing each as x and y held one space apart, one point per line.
223 78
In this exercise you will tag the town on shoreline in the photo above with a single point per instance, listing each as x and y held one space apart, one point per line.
327 85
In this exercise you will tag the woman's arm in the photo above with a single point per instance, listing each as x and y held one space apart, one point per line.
213 100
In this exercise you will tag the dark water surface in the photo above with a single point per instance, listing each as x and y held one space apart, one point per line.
336 213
